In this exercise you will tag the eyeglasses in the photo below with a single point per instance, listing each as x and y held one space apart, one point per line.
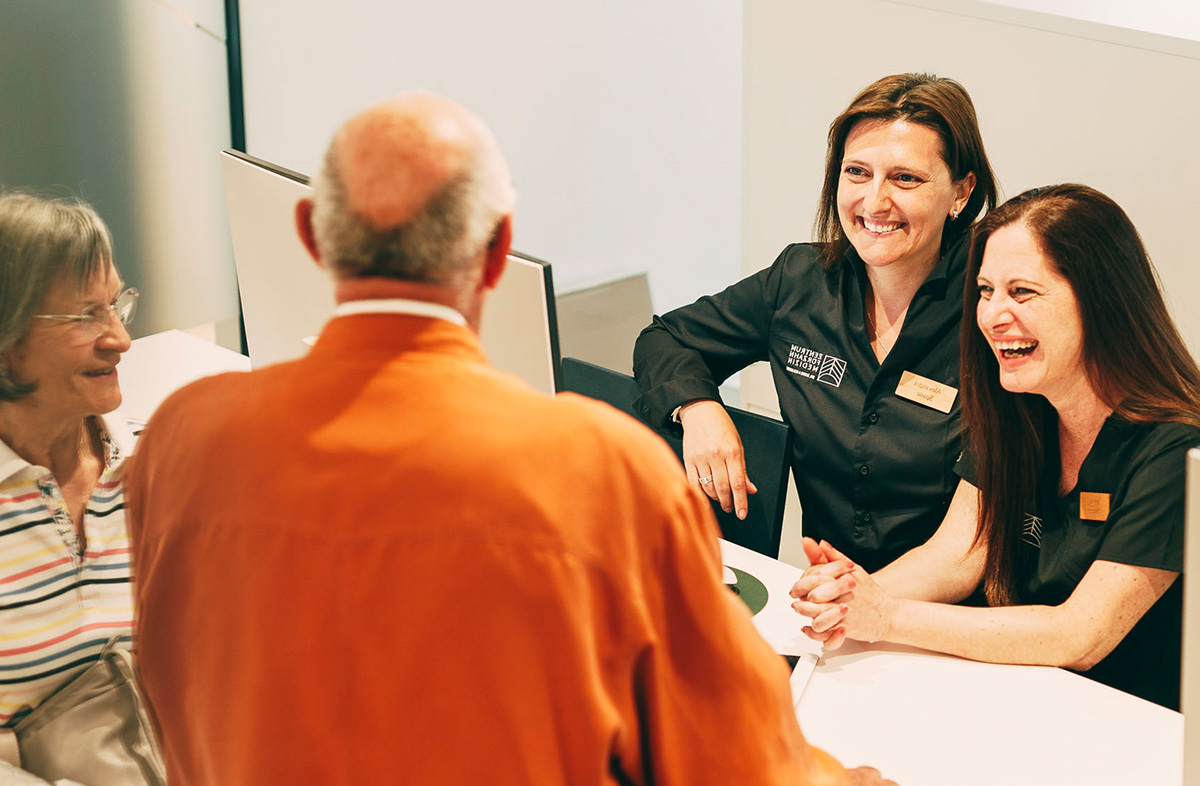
93 321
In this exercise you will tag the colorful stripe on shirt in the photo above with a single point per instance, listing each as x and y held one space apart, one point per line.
58 607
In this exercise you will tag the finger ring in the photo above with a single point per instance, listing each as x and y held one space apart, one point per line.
704 481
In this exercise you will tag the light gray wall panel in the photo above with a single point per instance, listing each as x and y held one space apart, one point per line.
126 105
621 119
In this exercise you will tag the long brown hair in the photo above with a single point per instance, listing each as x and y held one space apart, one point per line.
940 104
1135 359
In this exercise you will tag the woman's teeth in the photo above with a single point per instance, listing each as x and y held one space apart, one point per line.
1015 349
881 227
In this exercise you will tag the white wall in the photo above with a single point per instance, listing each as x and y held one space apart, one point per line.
621 119
1177 18
126 105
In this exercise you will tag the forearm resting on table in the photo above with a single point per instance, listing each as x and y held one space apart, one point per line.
1077 634
926 574
1032 635
948 567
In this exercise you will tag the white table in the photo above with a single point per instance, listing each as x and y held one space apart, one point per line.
156 366
934 720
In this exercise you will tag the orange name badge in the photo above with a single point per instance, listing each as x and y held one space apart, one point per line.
1093 506
923 390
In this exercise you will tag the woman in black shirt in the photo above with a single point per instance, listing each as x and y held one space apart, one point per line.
1080 403
860 329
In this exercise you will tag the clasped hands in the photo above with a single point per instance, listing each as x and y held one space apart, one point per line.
841 598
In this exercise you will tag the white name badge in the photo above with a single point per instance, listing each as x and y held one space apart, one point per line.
923 390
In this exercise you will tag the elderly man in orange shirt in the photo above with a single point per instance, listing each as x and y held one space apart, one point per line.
387 562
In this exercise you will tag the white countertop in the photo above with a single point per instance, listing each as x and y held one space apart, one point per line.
926 719
156 366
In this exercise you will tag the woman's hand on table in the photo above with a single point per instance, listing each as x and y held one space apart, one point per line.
822 593
713 456
862 611
842 600
821 553
828 575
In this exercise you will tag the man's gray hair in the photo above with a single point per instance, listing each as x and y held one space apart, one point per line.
41 239
437 246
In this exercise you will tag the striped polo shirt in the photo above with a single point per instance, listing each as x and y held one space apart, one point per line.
60 600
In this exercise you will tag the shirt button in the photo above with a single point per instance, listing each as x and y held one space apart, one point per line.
863 470
873 417
866 516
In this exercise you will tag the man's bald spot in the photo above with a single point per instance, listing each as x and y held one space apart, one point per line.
395 155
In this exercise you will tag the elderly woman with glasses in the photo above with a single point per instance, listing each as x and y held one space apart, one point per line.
64 576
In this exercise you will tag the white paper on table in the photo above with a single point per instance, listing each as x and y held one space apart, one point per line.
777 622
801 674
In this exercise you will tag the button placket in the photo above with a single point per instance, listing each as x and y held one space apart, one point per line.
56 506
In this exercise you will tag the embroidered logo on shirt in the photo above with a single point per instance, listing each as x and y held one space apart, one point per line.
816 365
1031 532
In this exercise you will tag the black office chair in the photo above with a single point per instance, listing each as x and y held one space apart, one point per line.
767 443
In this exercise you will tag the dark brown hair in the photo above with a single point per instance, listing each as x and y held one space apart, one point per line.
937 103
1135 359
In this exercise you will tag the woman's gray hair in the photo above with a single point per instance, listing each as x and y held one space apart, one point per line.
437 246
41 239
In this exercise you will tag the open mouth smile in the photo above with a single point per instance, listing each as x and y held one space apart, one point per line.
1015 349
880 227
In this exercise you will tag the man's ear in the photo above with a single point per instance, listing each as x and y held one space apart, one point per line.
497 253
304 228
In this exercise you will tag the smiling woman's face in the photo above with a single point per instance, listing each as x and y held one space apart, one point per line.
895 193
1030 317
75 372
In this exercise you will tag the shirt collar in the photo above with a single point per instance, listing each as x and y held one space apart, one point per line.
954 255
117 435
420 308
10 462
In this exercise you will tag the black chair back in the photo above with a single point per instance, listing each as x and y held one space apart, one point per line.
767 443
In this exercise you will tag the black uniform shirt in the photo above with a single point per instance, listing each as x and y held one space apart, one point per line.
874 471
1131 490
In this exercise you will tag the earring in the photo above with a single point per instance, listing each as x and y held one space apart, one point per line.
954 214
